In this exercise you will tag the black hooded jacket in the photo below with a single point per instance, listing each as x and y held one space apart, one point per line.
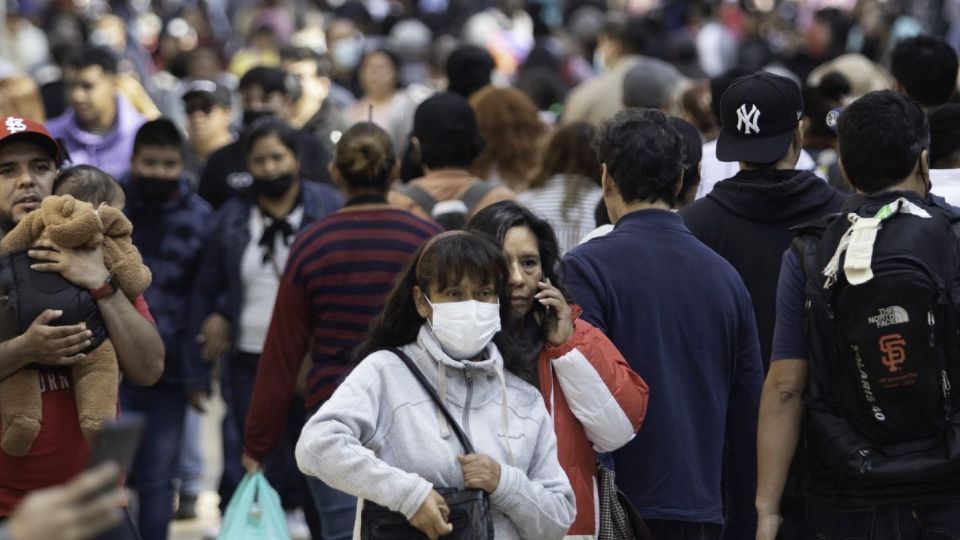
747 220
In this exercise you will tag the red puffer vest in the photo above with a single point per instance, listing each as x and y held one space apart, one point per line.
577 381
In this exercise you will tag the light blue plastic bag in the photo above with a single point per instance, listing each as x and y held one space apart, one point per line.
254 512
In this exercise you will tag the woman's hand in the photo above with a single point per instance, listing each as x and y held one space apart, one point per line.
431 518
558 321
214 337
480 472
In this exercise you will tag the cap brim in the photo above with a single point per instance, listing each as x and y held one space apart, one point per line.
47 143
753 150
209 96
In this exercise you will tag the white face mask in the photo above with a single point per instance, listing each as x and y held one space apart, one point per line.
464 328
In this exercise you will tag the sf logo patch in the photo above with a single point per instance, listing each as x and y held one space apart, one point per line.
747 122
15 125
893 347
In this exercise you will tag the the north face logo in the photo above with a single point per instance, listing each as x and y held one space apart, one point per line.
15 125
889 316
747 122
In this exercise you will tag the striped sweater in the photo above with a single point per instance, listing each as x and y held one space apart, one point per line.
337 278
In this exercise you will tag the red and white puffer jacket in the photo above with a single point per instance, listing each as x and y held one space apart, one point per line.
597 403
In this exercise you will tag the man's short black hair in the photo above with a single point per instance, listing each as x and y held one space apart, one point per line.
292 53
631 32
94 56
643 155
881 137
269 79
944 136
159 132
469 69
926 67
455 154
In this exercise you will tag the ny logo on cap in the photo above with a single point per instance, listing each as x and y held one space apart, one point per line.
15 125
747 121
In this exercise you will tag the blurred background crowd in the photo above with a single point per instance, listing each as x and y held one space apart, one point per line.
527 67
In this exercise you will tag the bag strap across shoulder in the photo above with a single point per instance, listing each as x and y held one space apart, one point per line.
475 193
464 440
420 196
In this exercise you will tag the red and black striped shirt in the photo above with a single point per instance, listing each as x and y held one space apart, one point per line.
337 278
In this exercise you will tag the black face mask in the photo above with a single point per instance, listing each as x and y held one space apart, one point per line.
272 189
249 117
156 190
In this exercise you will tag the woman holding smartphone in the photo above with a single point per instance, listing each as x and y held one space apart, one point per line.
381 437
595 399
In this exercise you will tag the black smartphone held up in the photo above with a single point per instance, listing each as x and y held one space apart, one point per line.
118 441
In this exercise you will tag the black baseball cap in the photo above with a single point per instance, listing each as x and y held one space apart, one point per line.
443 117
758 115
215 92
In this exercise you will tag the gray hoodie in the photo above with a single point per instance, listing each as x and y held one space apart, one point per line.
380 437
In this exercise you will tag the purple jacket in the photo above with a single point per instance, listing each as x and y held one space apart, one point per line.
110 151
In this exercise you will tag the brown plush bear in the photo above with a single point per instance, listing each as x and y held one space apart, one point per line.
70 223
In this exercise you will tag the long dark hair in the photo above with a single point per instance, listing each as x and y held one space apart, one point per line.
438 263
568 152
495 220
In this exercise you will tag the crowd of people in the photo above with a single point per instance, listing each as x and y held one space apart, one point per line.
710 246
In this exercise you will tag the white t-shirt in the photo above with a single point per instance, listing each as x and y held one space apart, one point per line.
599 232
946 183
712 170
261 280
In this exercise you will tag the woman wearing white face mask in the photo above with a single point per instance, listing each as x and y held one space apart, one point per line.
382 438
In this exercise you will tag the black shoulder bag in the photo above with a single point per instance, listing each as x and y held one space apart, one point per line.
469 508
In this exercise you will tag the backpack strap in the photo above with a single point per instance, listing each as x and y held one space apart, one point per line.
805 242
420 196
475 193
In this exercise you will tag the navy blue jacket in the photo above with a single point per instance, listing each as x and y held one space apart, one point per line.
219 286
683 319
171 239
748 219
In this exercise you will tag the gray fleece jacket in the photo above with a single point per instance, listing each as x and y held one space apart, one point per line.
380 437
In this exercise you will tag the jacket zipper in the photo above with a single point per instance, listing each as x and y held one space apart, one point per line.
468 377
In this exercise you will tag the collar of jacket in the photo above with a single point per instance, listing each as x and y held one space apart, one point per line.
124 122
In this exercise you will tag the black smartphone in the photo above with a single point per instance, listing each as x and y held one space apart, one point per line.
118 442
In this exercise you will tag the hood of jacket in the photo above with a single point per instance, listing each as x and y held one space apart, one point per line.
780 195
457 381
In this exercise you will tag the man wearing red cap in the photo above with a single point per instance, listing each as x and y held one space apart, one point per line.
29 162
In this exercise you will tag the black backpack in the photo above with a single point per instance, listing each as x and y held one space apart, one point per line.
451 215
884 352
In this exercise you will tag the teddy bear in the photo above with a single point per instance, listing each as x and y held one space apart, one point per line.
70 223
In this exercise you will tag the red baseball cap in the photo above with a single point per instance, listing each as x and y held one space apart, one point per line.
16 128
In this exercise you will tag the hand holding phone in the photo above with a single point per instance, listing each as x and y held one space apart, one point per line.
117 442
558 318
